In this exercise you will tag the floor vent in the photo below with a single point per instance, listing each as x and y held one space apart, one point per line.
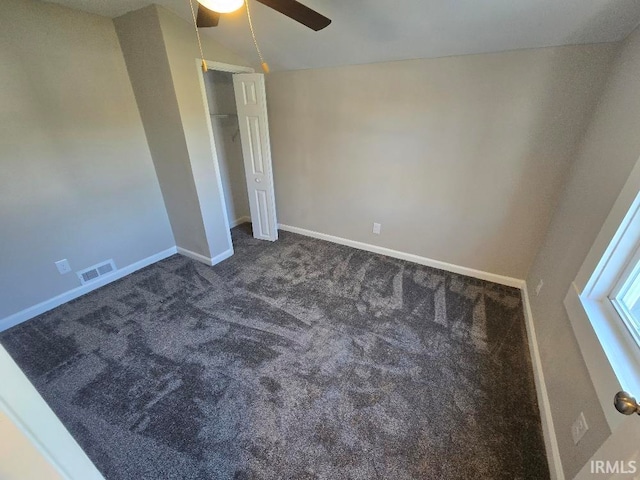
92 273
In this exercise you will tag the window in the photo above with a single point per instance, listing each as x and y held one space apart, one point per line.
626 298
603 302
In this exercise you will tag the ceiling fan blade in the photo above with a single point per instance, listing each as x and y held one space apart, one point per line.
206 17
299 13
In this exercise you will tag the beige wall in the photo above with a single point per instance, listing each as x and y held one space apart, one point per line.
34 444
161 50
182 51
77 178
19 458
607 153
461 159
145 53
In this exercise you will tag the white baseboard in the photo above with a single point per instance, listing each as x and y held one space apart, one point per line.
239 221
206 260
548 430
449 267
222 256
42 307
195 256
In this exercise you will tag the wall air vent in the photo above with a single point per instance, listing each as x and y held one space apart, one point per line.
92 273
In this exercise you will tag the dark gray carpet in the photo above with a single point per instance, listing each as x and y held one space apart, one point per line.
299 359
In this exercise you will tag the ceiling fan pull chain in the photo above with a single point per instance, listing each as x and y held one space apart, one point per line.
195 25
265 66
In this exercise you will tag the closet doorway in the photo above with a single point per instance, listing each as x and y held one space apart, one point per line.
236 106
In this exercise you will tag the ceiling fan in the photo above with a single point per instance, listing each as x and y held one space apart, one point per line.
209 12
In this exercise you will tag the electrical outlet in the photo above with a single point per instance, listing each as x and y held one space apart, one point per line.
376 228
539 287
579 428
63 266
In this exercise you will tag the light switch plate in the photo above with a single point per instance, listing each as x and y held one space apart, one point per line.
579 428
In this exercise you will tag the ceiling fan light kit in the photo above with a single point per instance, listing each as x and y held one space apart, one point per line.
222 6
209 12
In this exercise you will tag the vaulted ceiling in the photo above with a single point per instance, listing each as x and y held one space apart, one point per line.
367 31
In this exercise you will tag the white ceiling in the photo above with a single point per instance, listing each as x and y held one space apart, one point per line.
367 31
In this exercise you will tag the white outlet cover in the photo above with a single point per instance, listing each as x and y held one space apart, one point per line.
579 428
377 227
63 266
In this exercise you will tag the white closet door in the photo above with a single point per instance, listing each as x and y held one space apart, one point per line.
251 102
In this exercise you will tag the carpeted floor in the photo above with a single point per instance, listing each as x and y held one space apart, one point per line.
299 359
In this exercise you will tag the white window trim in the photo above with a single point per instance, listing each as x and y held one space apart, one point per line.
607 346
627 292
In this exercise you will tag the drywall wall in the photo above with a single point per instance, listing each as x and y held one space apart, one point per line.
607 153
182 52
145 53
34 444
77 177
460 159
226 132
161 50
19 458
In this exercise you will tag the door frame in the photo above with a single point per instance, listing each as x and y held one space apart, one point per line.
23 405
229 68
225 67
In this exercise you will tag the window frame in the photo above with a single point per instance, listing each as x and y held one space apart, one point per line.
610 350
627 291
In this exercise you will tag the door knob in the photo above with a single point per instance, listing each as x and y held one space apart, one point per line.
258 180
626 404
